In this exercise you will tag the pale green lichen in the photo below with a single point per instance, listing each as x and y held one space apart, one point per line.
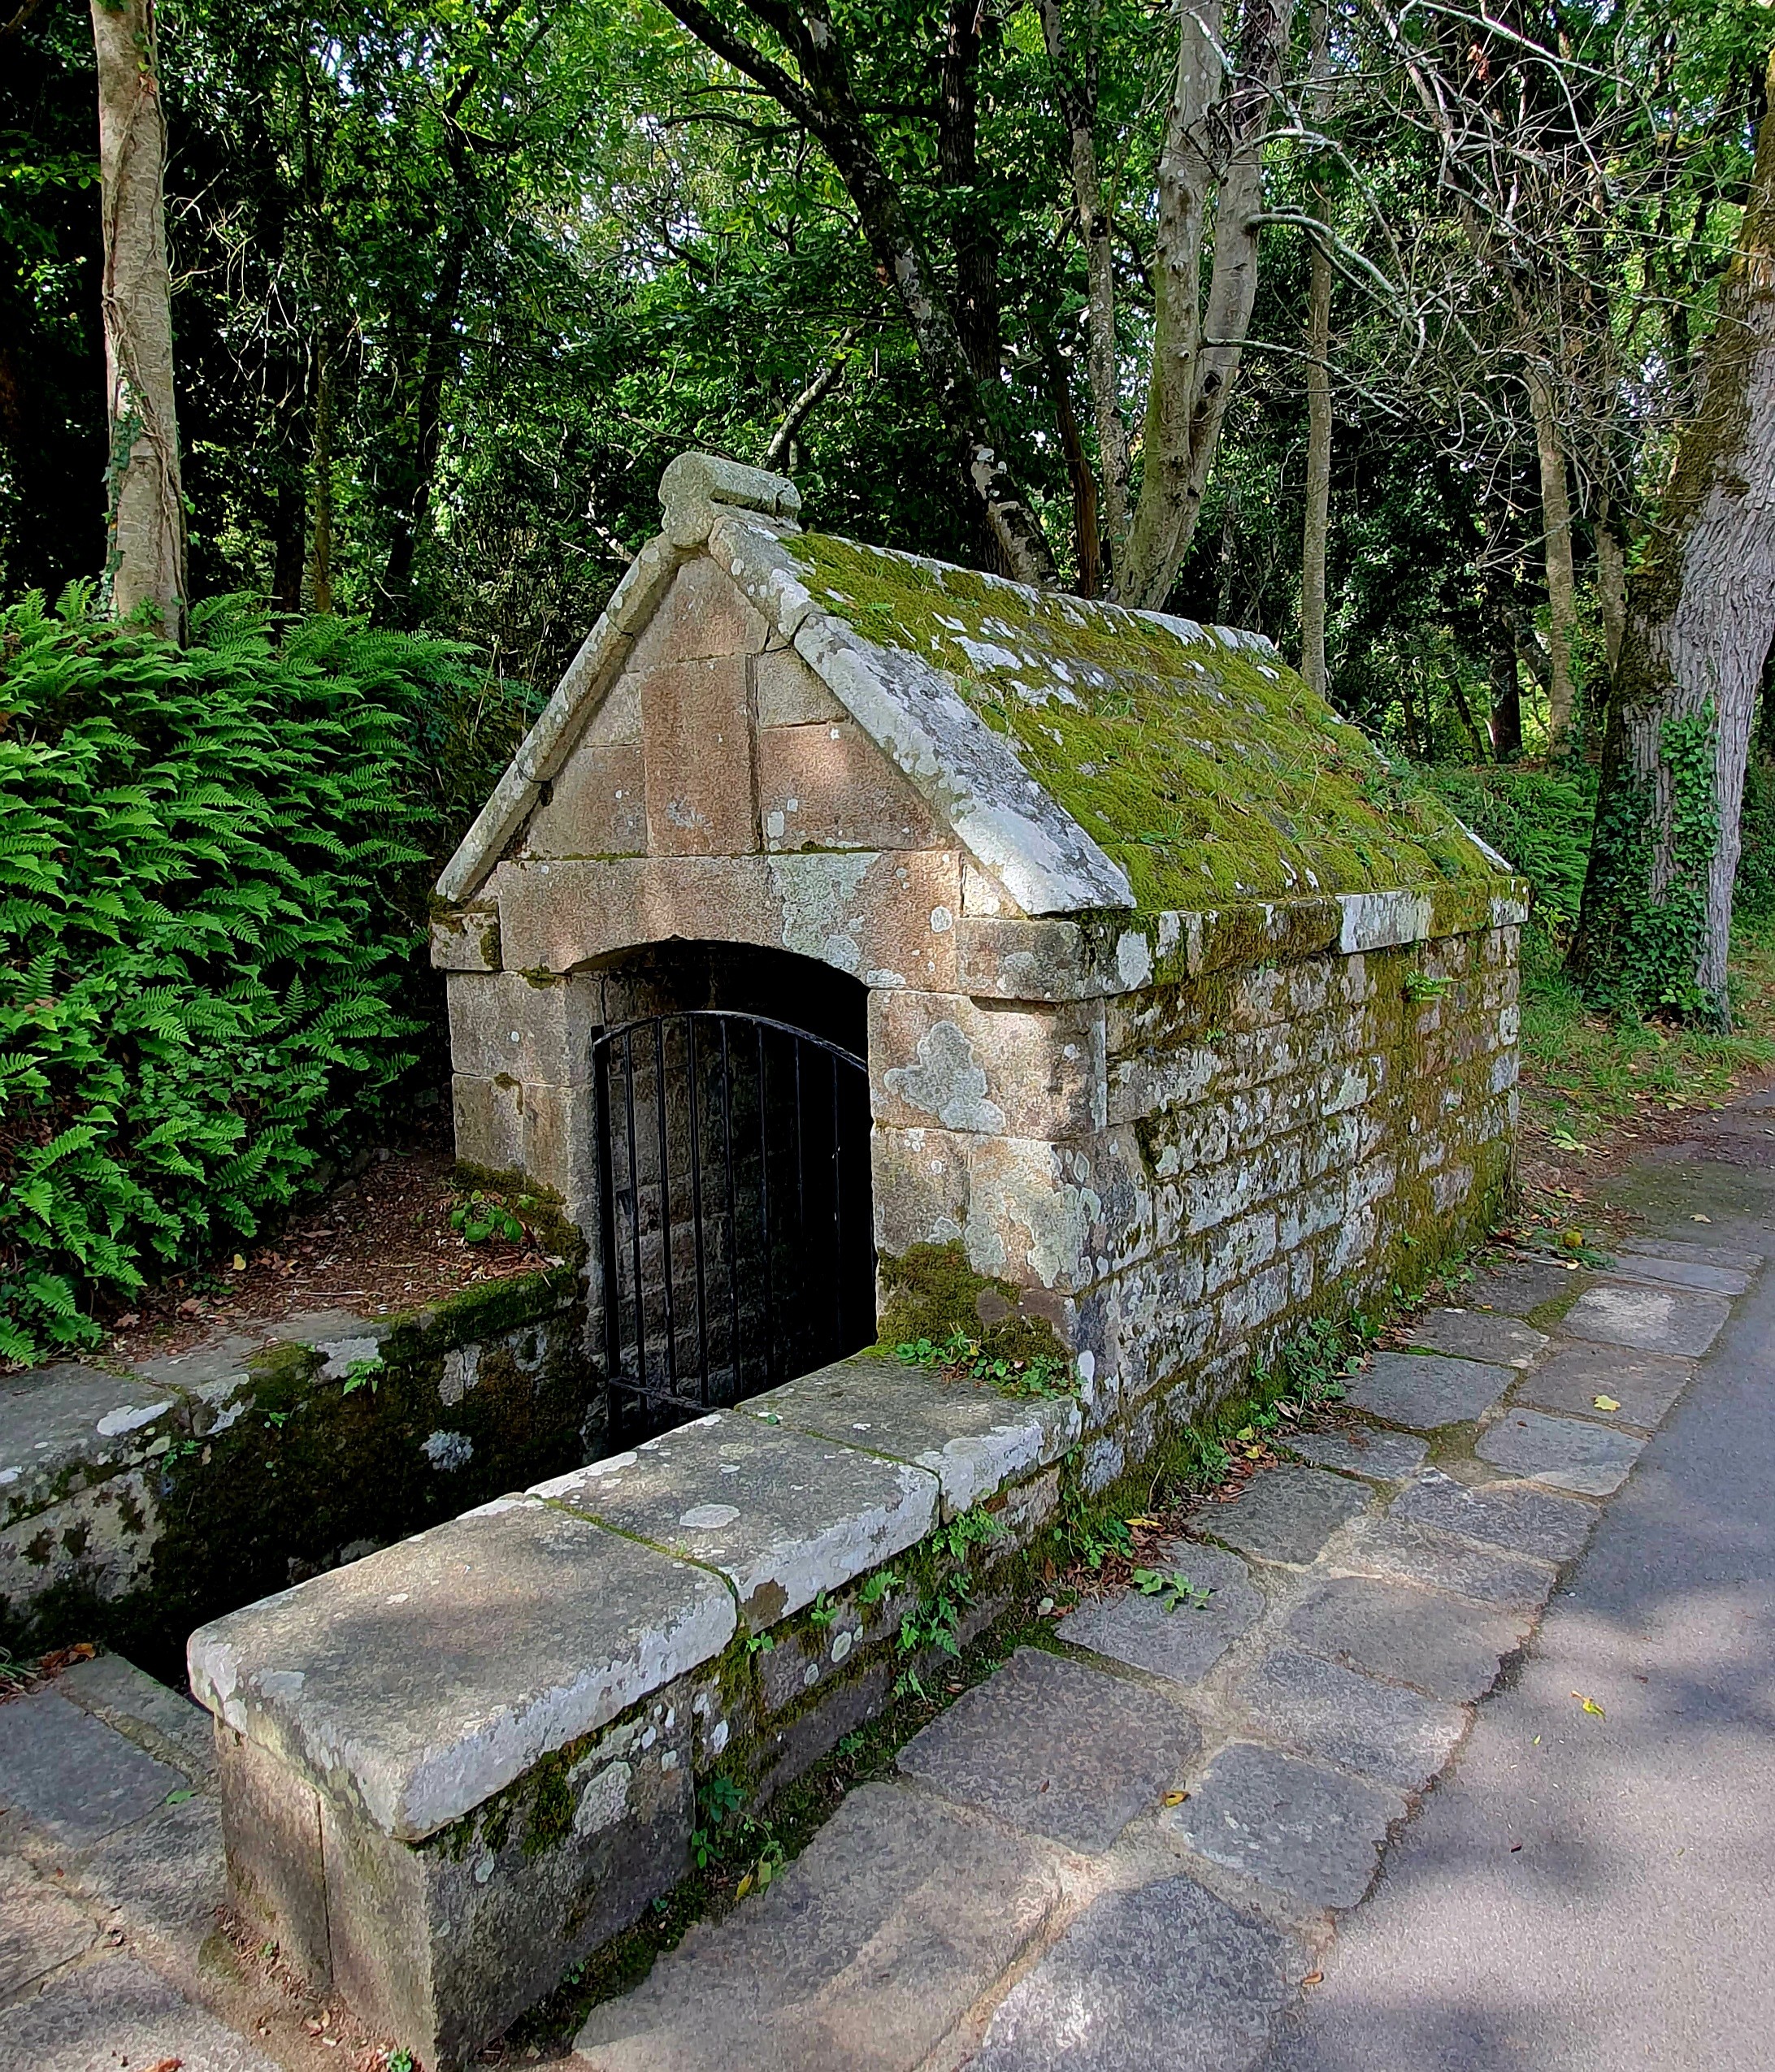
1203 766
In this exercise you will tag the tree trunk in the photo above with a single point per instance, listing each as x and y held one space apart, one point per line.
412 495
320 561
1656 922
1561 585
1084 483
144 501
1316 522
1611 585
974 241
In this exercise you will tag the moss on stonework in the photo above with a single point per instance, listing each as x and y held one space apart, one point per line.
932 1292
1192 756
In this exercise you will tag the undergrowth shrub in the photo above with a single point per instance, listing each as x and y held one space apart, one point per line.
214 867
1538 820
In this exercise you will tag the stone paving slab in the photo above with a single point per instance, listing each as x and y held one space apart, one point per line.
863 1954
970 1436
1470 1334
166 1874
116 2013
1519 1285
1566 1453
1184 1644
1361 1450
1680 1248
165 1723
40 1930
1412 1636
1497 1515
1056 1748
781 1514
1389 1546
1168 1979
71 1774
1377 1728
424 1678
1312 1833
1286 1514
1645 1384
1696 1274
1648 1320
1425 1391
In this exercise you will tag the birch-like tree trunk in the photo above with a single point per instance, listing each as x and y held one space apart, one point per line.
1656 921
1556 550
145 561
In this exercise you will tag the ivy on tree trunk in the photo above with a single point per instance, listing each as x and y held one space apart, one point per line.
1656 920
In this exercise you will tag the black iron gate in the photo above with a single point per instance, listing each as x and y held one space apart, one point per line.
733 1169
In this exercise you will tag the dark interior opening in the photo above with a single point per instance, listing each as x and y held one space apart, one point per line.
736 1233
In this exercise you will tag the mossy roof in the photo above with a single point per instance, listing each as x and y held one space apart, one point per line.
1192 756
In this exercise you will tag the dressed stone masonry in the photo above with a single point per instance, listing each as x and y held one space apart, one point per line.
1186 1020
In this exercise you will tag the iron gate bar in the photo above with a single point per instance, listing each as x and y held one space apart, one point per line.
790 1303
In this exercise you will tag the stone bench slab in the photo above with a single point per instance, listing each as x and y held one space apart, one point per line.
417 1682
971 1437
783 1514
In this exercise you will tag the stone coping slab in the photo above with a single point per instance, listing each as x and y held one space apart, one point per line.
782 1513
1645 1384
1168 1979
1184 1644
166 1724
55 1419
1476 1335
1425 1391
1565 1453
1311 1833
1361 1450
1648 1320
971 1437
1055 1749
1411 1635
420 1680
1286 1514
864 1952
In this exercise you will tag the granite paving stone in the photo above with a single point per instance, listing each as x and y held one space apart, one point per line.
1680 1248
1388 1546
1377 1728
1056 1748
426 1677
1286 1514
165 1723
783 1514
1414 1637
1169 1979
1566 1453
1311 1833
73 1775
165 1876
1648 1319
1184 1644
1645 1384
1425 1391
1497 1515
116 2013
1362 1450
1695 1274
863 1953
1470 1334
1519 1285
40 1929
970 1436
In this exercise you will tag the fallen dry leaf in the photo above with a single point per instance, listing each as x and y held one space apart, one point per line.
1175 1798
1590 1704
1605 1402
1313 1979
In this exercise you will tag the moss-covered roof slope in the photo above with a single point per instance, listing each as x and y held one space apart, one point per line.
1192 756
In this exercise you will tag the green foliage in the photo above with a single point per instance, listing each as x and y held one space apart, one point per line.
1043 1376
1539 820
1174 1589
481 1215
212 866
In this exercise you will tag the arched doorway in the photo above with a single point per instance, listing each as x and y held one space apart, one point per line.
732 1109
